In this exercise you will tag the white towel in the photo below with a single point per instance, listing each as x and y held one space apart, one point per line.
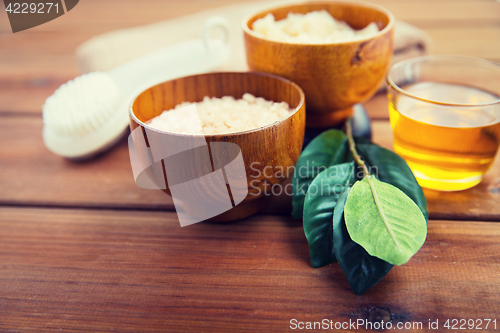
111 49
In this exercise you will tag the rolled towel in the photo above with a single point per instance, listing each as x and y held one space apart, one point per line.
111 49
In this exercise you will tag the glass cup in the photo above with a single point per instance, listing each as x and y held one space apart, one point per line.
445 117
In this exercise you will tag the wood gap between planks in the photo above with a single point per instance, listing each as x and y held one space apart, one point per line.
10 114
90 207
119 208
438 217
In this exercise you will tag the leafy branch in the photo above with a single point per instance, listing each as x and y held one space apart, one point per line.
372 223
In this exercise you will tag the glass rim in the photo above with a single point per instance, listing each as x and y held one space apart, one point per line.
406 62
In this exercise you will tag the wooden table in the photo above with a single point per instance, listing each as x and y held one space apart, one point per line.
82 248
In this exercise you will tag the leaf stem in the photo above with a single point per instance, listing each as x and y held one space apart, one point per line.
367 176
352 147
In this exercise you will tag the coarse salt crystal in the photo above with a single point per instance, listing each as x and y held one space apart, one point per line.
317 27
221 115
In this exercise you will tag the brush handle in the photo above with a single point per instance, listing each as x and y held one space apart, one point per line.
178 60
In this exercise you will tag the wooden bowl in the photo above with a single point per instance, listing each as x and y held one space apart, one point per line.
334 76
269 153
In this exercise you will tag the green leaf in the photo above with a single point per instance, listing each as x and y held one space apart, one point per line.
325 150
389 167
363 271
319 203
384 221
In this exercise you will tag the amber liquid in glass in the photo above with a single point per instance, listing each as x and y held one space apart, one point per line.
447 148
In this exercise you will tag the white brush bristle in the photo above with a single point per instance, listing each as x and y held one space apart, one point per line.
81 105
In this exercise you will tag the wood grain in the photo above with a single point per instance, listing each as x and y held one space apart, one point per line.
86 270
125 267
31 175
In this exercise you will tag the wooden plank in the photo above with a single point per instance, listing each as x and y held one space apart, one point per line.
107 15
35 62
104 15
444 12
93 271
474 42
69 34
31 175
40 79
377 107
26 92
